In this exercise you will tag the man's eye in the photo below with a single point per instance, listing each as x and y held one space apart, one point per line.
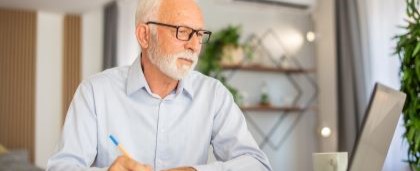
183 31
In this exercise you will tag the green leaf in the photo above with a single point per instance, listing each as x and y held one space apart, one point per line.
417 143
417 49
410 135
417 65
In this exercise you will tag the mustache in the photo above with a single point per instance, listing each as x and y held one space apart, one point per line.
188 55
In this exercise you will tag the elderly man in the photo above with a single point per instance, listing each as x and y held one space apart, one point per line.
164 114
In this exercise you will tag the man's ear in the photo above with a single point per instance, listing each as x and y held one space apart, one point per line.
143 35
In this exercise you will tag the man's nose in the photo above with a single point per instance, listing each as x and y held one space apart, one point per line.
194 43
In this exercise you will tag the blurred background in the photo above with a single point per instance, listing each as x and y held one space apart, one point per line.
301 70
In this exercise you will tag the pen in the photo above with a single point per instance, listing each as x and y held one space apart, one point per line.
119 146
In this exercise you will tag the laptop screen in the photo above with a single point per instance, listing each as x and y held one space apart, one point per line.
378 128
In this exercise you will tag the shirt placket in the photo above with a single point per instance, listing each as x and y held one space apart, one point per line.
161 137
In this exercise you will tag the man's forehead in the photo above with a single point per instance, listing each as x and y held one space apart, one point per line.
176 12
183 18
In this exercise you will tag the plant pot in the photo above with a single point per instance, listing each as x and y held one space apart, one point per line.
232 55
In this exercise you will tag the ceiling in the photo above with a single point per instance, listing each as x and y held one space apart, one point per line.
79 6
65 6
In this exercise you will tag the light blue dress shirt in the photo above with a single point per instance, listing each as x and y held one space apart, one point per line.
164 133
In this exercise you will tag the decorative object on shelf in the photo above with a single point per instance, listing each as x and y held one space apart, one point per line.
265 98
232 55
408 50
223 44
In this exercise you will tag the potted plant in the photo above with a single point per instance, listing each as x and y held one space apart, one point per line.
408 50
222 44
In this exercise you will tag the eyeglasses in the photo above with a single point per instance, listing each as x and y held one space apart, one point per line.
185 33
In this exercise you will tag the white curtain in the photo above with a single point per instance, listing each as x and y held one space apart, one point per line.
382 18
128 48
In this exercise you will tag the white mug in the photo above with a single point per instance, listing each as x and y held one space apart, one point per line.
337 161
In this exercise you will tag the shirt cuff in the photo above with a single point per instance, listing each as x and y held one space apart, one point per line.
216 166
97 169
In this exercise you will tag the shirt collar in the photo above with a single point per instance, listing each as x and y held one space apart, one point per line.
186 84
136 80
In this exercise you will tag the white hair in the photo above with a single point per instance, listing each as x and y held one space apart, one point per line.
147 10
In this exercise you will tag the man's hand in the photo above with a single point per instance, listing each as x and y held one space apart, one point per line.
182 169
124 163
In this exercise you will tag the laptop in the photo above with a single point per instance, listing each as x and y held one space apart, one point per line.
378 128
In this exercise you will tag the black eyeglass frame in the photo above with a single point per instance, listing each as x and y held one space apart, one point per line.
194 31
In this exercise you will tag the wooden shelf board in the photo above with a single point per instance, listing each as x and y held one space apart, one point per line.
272 108
259 68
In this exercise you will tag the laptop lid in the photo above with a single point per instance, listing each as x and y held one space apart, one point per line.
378 128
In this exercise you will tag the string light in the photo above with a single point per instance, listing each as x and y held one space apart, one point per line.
310 36
326 132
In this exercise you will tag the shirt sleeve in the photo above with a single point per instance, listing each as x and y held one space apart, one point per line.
233 145
77 147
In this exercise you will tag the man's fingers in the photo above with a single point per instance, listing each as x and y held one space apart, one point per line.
124 163
135 166
148 167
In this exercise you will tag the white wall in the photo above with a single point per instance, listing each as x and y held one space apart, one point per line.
48 113
324 18
92 42
127 48
49 74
